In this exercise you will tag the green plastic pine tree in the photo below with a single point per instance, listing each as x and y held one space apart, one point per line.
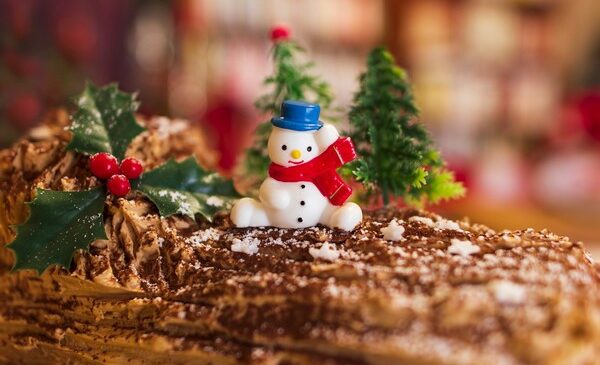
291 79
396 156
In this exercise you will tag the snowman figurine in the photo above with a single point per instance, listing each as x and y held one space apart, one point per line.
303 188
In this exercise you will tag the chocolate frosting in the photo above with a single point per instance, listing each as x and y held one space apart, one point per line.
183 291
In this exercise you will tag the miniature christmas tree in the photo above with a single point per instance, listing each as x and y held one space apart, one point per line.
397 158
291 79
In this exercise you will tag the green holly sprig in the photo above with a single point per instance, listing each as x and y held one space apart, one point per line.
61 222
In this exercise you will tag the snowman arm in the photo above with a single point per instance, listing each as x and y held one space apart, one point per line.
272 196
326 135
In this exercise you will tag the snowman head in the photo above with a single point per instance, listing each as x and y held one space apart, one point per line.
290 148
292 140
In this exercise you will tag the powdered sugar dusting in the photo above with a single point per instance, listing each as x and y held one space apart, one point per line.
185 208
167 127
199 237
177 198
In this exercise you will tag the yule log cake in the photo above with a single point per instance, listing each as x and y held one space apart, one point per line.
405 287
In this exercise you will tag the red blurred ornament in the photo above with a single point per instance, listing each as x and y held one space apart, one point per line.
21 65
23 110
131 168
77 37
580 119
588 107
20 16
280 33
103 165
228 122
118 185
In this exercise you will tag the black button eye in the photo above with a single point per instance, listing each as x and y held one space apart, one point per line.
309 148
284 147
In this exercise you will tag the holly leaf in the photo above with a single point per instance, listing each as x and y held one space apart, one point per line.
104 121
186 188
59 224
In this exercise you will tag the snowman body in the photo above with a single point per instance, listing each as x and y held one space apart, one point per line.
307 206
299 203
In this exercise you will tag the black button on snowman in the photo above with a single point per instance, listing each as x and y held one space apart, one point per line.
302 189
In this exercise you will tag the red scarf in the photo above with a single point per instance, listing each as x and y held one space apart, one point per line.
321 171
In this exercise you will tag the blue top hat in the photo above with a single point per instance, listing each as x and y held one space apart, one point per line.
298 116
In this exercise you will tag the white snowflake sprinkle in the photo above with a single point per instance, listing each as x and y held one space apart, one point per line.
209 179
393 231
447 224
462 248
214 201
327 252
248 245
426 221
441 223
508 292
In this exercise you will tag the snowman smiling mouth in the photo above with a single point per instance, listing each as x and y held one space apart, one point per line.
296 162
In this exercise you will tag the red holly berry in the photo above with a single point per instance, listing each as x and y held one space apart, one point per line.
104 165
118 185
280 33
131 168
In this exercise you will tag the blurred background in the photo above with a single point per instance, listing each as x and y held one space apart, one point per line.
510 89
